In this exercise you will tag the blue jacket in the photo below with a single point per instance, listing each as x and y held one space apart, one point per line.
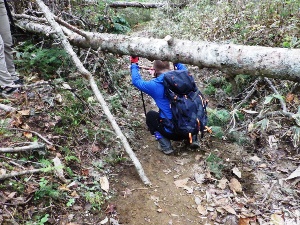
154 88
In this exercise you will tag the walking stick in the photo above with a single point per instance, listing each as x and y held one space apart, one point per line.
143 103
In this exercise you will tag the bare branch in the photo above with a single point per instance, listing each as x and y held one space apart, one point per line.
283 105
144 5
7 108
32 146
15 174
36 133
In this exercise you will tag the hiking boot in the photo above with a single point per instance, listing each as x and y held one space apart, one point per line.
8 91
195 143
164 144
20 81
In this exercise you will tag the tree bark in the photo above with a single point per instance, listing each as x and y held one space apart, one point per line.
58 31
279 63
144 5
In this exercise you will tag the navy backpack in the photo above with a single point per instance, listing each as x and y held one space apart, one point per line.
187 104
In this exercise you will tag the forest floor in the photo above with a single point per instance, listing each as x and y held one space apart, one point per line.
221 183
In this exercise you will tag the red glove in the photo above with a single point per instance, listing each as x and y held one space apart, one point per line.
134 59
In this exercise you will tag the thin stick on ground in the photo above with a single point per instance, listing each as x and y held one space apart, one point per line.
85 73
250 93
31 147
7 108
15 174
34 132
283 105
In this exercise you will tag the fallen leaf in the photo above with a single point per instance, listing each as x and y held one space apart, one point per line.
85 172
198 157
111 208
220 210
154 198
159 210
2 171
28 135
58 168
289 97
64 188
95 148
127 192
104 221
273 142
255 159
181 183
229 209
294 174
249 111
11 195
246 221
263 165
25 126
235 185
24 112
237 172
199 178
104 183
277 219
250 127
197 200
221 201
74 194
202 210
222 183
66 86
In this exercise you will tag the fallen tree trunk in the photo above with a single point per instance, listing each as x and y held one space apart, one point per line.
144 5
279 63
84 72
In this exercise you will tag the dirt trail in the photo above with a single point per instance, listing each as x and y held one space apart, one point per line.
204 201
163 202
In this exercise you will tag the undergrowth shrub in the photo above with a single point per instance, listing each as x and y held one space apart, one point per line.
47 62
218 117
251 22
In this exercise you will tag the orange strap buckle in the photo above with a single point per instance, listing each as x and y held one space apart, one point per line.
208 129
190 138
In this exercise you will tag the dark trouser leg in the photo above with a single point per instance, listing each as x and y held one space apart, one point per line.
156 129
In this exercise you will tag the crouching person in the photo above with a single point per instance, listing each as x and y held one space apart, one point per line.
159 122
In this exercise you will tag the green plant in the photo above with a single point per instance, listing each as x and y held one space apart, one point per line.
263 124
96 199
115 104
46 190
71 158
46 62
70 202
114 158
41 220
115 24
209 90
215 165
218 117
217 132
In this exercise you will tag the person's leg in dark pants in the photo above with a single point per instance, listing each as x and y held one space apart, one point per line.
156 128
